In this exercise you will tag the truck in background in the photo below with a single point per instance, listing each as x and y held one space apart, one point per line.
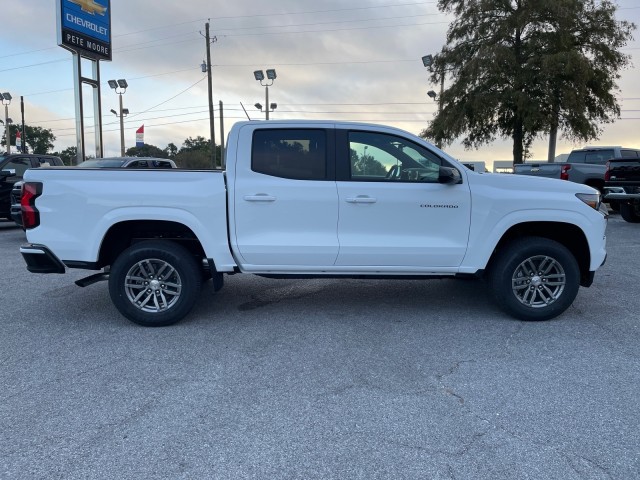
622 185
585 165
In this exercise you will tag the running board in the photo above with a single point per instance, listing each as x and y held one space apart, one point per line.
91 279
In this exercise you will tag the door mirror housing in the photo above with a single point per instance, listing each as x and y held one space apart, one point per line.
449 176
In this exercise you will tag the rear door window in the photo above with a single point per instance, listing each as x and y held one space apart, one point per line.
299 154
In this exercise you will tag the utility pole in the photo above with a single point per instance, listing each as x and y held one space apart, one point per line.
24 134
211 119
221 110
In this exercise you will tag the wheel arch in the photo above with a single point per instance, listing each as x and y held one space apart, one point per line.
569 235
123 234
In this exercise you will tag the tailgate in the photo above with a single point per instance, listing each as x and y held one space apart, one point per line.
547 170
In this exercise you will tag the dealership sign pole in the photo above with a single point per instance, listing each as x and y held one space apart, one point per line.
84 28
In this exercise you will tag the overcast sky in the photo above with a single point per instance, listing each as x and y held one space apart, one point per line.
357 60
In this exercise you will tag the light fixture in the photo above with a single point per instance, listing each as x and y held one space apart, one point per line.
203 66
432 94
114 112
427 60
6 96
271 77
125 111
122 83
113 84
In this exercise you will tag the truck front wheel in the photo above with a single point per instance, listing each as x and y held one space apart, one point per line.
534 278
629 212
155 283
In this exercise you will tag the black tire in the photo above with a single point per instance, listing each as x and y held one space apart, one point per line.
629 213
533 295
614 205
164 283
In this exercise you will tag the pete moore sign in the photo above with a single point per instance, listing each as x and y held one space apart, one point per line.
84 26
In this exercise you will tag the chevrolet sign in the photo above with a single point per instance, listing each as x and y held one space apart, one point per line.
84 26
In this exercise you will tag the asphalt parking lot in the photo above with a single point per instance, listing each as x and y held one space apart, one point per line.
320 379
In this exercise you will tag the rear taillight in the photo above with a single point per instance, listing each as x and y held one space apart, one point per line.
564 172
30 214
607 172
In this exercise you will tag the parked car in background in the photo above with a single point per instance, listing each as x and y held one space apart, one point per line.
585 165
12 167
128 162
114 162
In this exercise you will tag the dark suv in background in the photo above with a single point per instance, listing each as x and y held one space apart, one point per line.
12 168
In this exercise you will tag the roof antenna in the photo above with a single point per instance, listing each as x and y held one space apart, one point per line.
245 111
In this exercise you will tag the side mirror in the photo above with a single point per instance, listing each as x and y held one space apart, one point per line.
449 176
7 173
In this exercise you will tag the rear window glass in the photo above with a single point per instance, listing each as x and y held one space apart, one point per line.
591 156
299 154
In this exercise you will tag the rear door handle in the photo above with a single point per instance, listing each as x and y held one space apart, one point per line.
361 199
260 197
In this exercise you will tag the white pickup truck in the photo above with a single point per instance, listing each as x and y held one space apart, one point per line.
321 199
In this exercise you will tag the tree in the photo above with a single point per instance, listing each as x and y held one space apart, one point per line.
521 68
38 139
195 153
171 150
196 144
68 155
366 165
146 150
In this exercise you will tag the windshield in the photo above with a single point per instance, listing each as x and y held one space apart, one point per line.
102 163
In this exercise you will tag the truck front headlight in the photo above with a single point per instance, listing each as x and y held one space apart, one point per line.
591 199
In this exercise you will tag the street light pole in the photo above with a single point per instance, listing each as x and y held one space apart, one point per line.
428 61
7 96
259 76
121 128
120 86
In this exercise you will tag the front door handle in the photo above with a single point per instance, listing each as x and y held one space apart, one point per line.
260 197
361 199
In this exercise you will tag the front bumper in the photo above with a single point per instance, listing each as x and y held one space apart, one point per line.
40 259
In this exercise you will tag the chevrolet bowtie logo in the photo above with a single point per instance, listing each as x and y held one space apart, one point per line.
90 6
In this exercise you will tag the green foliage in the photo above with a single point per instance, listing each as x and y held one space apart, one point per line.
195 153
520 68
146 150
198 144
38 139
194 160
366 165
171 150
68 155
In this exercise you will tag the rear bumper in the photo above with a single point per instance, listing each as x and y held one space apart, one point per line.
40 259
622 196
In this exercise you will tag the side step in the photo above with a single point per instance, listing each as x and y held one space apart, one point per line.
91 279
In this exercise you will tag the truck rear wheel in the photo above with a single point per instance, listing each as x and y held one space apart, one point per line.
629 212
535 278
155 283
